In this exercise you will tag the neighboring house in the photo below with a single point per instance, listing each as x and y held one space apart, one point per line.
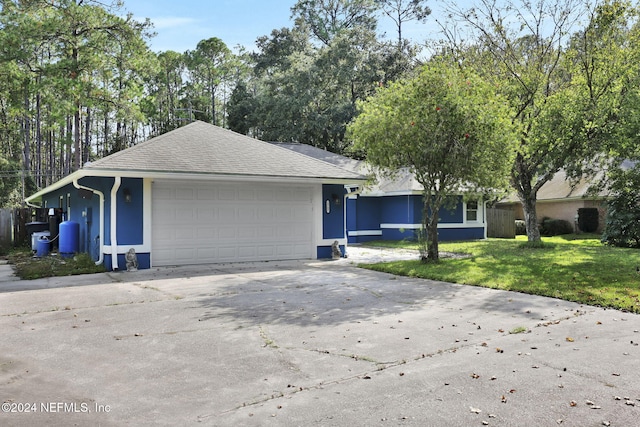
202 194
391 209
560 198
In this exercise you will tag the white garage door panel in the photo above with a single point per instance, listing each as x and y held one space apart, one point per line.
198 223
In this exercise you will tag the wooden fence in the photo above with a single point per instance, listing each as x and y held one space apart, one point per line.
6 230
501 223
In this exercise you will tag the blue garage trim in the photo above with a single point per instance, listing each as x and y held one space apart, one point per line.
144 261
130 214
333 211
325 252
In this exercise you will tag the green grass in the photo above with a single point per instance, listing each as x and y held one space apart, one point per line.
27 267
574 267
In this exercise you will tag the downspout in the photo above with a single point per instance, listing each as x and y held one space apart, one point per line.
114 221
101 195
484 218
351 190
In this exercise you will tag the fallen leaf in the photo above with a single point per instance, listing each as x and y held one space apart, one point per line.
475 376
475 410
573 403
569 339
503 399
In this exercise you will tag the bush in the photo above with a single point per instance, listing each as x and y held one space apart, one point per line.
588 219
555 227
623 227
521 228
623 209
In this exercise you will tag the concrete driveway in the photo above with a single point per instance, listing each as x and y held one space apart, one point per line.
308 343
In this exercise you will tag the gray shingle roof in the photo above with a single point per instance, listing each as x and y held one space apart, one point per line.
202 148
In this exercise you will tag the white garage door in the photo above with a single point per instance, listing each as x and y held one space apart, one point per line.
212 222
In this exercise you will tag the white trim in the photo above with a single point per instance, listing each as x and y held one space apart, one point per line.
108 249
440 225
114 221
405 226
111 173
146 217
365 233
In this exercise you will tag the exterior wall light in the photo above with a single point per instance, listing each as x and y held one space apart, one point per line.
127 195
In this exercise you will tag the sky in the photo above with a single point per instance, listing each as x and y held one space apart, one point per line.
181 24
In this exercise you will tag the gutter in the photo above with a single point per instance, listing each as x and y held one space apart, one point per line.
101 195
114 220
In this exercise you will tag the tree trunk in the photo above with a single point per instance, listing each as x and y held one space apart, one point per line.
87 137
38 143
521 179
77 146
430 217
530 217
27 131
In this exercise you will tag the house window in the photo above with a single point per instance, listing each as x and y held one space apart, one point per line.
472 210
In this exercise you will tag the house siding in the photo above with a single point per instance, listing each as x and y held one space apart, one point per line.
400 217
86 212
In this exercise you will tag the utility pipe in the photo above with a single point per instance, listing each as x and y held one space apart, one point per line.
114 221
101 195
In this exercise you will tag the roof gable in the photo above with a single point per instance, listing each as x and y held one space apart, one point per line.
202 148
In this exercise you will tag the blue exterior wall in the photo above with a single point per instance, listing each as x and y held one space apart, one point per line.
86 212
333 221
364 214
399 217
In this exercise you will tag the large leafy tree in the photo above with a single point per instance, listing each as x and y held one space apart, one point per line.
561 82
328 18
447 126
209 68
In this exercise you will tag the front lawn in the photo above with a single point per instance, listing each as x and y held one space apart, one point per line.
575 268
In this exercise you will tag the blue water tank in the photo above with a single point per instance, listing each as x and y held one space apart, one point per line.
69 232
42 247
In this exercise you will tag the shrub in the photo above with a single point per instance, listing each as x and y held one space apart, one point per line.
622 227
555 227
521 228
588 219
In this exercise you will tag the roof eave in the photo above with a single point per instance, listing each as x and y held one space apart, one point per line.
189 176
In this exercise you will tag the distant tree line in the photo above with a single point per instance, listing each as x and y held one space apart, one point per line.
78 80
